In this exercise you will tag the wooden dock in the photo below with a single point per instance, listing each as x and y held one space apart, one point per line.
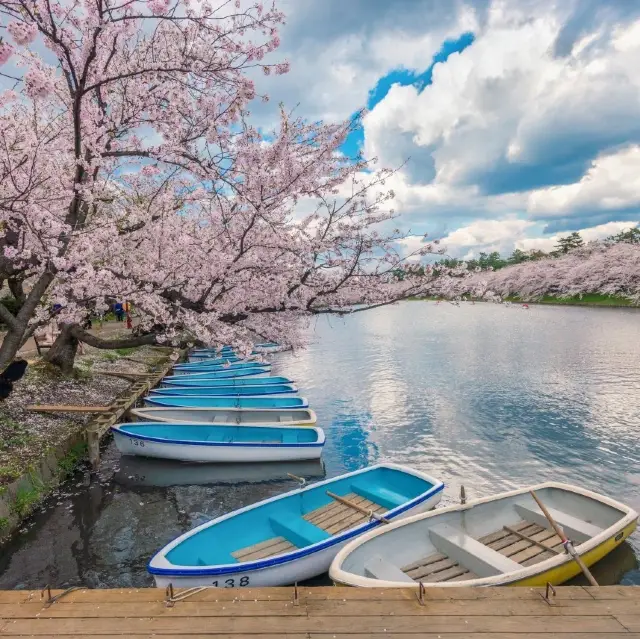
324 613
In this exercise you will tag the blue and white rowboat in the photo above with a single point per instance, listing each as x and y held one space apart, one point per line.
200 443
227 416
213 359
195 380
254 371
203 401
275 390
294 536
205 366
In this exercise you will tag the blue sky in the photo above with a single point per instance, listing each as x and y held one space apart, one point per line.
519 118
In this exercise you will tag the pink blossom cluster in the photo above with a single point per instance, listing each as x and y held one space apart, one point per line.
23 32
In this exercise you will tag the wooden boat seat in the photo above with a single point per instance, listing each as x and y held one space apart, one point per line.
576 529
336 517
298 531
285 418
379 568
268 548
439 567
472 554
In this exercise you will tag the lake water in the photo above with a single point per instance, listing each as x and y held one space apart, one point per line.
489 396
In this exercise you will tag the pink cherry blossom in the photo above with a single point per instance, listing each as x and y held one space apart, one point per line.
5 52
129 170
22 32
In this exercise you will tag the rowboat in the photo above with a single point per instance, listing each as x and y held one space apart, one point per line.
211 359
172 381
294 536
144 471
276 390
203 367
254 371
501 540
227 416
203 401
204 443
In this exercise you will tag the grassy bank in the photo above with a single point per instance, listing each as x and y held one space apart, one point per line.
39 450
591 299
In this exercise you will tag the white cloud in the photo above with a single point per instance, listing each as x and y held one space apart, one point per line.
612 183
505 235
507 114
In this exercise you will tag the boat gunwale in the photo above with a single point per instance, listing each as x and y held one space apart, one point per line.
172 383
157 392
312 419
215 374
320 441
437 486
343 577
155 398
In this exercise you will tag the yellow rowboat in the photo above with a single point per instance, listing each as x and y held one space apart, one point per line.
496 541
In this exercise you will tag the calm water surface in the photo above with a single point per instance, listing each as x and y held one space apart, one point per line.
488 396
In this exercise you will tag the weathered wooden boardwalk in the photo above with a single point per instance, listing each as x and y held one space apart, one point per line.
325 613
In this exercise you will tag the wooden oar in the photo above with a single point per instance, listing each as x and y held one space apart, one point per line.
301 480
566 543
364 511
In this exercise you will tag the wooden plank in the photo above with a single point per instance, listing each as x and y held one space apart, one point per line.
630 622
67 408
499 534
474 608
127 610
269 548
327 608
557 624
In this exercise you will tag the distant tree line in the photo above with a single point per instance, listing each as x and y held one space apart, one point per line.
495 261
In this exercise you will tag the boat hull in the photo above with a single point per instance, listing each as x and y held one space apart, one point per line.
129 444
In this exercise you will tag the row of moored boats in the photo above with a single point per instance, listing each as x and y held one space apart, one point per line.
377 526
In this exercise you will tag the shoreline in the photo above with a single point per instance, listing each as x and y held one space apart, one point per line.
38 452
600 301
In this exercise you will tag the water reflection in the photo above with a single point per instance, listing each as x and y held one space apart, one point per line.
486 396
142 471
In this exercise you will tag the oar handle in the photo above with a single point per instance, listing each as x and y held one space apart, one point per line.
567 544
301 480
364 511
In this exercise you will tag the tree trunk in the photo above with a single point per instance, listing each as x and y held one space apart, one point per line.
63 351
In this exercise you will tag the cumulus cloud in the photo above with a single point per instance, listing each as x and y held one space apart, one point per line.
506 114
612 183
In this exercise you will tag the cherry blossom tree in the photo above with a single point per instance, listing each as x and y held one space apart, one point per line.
598 267
129 170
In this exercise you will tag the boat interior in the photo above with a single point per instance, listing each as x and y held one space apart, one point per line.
486 540
226 416
297 520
